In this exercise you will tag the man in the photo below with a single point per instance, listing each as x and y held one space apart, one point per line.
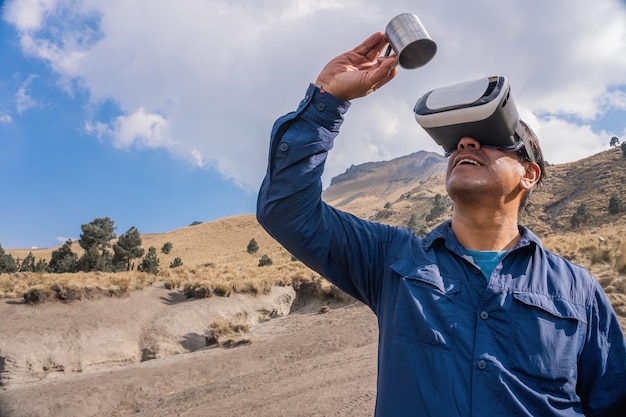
475 319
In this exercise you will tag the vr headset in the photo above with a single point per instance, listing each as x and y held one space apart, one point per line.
482 109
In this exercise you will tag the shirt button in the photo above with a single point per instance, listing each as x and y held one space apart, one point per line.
283 147
482 364
484 315
321 106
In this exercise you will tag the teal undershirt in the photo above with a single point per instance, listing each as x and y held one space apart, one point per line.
487 260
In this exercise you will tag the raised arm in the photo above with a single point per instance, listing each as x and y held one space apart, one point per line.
289 206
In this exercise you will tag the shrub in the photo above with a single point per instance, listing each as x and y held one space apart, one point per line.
66 293
253 247
167 248
176 263
38 294
197 290
417 226
265 261
616 204
222 289
438 209
225 328
581 215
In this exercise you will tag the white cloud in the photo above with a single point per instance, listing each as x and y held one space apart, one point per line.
27 14
569 142
206 80
5 118
139 129
23 100
615 99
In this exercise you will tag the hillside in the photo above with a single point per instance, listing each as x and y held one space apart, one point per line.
371 187
394 191
362 188
145 353
390 191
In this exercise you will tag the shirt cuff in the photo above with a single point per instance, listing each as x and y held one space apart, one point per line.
321 107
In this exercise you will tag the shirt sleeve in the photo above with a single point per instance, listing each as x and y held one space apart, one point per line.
290 208
602 363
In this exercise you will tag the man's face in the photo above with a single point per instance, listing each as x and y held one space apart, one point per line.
480 175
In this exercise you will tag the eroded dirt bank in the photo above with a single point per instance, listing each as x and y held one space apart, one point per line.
86 359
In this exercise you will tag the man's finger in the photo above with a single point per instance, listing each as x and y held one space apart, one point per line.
372 46
385 72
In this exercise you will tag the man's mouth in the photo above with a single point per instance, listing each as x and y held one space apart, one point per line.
466 161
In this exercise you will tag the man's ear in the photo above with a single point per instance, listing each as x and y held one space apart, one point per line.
531 176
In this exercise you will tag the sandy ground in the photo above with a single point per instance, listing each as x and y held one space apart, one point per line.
85 358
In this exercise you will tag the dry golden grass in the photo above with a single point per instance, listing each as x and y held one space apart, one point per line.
228 333
215 262
41 287
222 331
209 280
592 248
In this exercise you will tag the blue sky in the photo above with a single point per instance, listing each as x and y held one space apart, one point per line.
157 113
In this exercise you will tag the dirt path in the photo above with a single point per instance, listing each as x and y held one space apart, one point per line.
302 364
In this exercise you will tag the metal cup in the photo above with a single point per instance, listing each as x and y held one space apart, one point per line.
410 41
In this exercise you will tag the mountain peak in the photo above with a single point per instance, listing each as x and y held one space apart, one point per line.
373 184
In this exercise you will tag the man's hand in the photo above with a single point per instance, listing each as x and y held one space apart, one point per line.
358 72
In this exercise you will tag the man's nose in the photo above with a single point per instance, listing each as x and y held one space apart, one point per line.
467 142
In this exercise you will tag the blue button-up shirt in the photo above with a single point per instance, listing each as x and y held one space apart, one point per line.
540 338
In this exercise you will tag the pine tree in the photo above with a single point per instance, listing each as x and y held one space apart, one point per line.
7 263
614 141
63 259
253 247
28 264
41 265
127 248
95 239
150 262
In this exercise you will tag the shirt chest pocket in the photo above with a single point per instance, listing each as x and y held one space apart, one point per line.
548 336
425 304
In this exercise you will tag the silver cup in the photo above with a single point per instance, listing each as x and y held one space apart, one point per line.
410 41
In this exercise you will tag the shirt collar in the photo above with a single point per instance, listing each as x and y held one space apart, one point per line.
444 233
